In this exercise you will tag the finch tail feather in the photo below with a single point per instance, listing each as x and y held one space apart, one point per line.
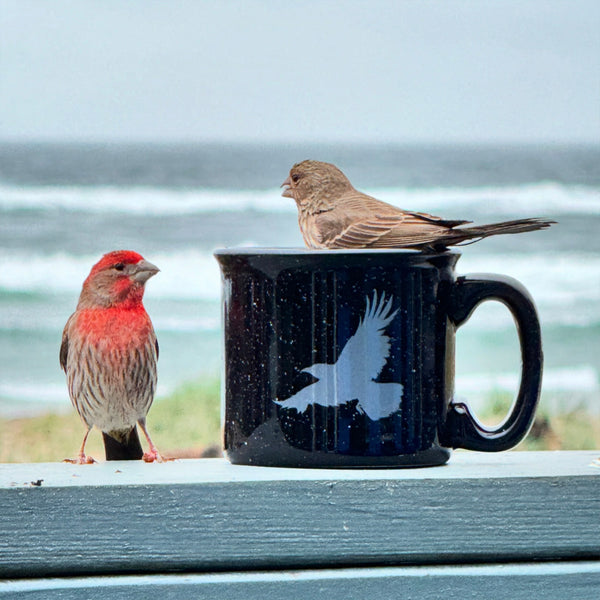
122 445
517 226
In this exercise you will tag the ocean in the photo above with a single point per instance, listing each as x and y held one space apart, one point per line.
63 206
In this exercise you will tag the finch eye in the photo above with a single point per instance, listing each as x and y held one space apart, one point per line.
295 177
119 266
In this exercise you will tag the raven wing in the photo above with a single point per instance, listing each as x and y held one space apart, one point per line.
368 349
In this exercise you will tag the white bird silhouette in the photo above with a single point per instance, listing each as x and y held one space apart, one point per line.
353 376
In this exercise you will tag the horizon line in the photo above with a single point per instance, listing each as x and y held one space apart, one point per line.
94 141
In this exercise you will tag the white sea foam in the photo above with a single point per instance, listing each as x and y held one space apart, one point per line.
565 286
31 392
181 324
140 200
563 389
546 198
186 274
35 322
21 399
581 378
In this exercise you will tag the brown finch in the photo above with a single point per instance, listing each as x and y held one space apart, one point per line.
332 214
109 353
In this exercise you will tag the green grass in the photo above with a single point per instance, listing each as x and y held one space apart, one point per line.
187 424
184 424
573 430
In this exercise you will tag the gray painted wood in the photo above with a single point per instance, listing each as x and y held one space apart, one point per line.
208 515
576 581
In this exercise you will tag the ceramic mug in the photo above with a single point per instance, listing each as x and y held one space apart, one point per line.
345 358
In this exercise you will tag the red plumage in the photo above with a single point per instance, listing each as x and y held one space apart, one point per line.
109 353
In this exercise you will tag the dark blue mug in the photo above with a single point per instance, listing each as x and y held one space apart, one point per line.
345 358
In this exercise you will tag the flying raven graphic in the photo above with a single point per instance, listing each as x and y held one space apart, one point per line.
353 376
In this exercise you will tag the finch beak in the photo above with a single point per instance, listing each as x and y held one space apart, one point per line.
143 271
288 188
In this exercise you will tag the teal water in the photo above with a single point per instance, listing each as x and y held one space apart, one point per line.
62 207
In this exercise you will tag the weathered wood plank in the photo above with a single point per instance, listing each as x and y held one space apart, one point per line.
576 581
206 515
462 465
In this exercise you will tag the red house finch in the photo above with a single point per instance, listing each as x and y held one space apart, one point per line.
332 214
109 353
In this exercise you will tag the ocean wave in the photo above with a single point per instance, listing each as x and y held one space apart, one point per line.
181 324
35 392
565 286
140 200
23 399
579 378
552 278
563 389
545 198
188 274
36 322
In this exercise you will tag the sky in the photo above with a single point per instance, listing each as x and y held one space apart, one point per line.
409 71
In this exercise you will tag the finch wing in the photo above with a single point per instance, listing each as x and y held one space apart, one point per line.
64 347
360 221
362 233
439 220
368 349
385 232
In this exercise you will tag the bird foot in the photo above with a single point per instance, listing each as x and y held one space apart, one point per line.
152 456
82 459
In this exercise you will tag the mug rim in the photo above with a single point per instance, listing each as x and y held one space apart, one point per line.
300 251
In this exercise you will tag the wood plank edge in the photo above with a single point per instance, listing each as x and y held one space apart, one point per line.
143 584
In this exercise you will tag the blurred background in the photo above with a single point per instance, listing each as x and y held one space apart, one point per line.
167 128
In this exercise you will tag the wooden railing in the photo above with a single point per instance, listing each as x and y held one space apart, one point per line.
509 525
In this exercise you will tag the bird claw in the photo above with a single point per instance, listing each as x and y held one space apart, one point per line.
81 460
152 456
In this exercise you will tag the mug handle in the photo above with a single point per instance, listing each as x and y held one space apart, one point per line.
462 430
